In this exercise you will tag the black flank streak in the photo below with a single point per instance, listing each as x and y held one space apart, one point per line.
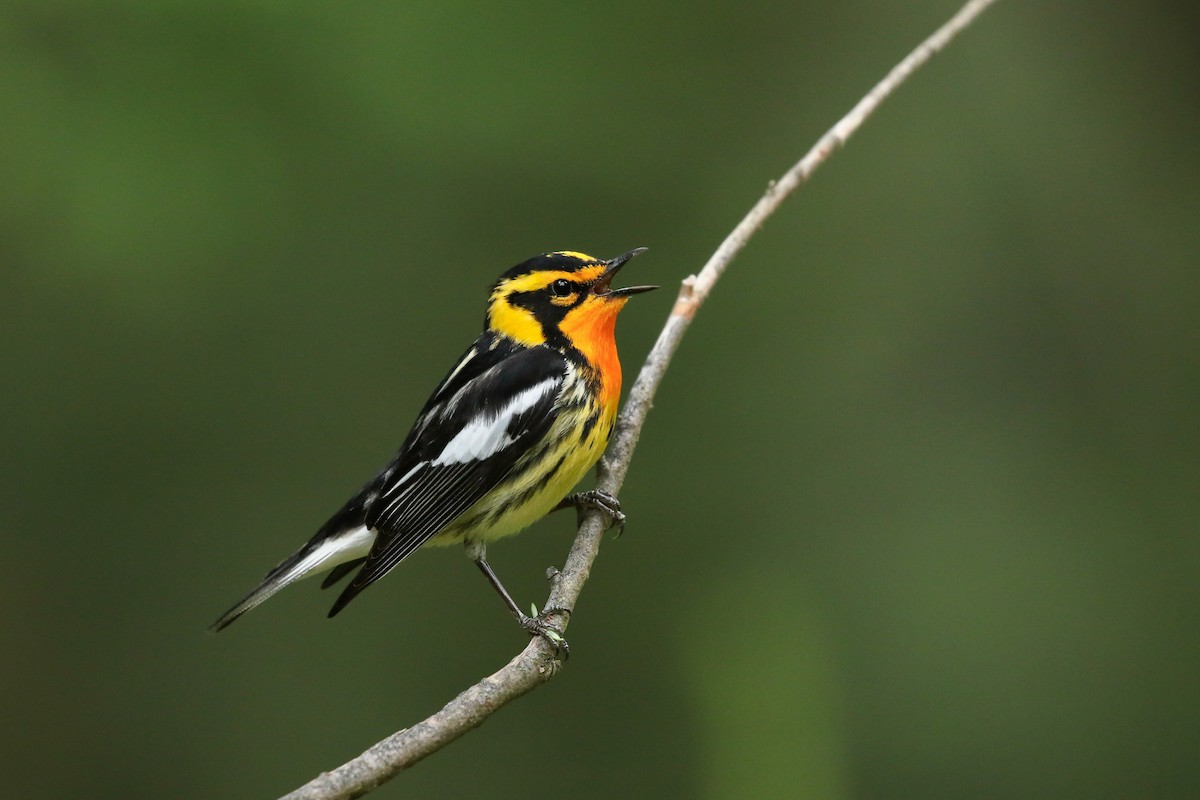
528 494
495 516
588 424
470 522
550 473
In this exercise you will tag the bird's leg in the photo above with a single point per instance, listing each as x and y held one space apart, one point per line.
535 626
598 499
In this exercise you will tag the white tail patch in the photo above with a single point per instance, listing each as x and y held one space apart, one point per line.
354 543
347 546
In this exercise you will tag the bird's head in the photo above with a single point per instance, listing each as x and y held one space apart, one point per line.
560 299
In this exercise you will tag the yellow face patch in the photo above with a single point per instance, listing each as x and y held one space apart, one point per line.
515 322
590 273
565 301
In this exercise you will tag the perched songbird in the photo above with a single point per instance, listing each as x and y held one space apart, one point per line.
521 417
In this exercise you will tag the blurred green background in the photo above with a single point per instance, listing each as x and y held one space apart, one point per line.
915 514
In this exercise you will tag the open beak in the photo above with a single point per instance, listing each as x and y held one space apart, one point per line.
604 287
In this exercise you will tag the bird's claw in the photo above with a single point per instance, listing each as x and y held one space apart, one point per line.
540 625
602 501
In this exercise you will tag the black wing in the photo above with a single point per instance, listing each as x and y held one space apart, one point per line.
484 416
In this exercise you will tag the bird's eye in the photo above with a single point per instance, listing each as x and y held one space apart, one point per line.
561 287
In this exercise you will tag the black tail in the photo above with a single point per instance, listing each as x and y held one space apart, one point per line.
342 543
275 580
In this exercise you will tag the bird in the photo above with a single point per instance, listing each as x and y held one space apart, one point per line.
516 423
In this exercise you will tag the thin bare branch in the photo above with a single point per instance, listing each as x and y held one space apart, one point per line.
536 664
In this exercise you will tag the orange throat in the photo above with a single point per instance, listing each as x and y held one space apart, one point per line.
590 329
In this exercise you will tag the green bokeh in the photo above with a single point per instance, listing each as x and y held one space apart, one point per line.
915 514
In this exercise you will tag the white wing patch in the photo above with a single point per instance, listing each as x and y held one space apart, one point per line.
487 435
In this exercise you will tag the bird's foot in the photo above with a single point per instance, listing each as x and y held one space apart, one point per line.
540 625
600 500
